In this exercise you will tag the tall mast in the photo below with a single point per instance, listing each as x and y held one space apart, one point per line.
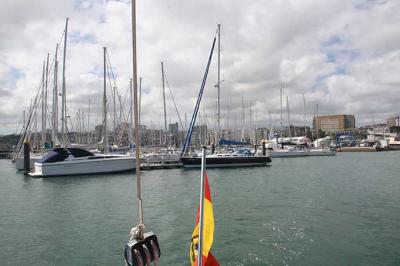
131 113
34 108
55 100
219 82
140 99
316 125
288 116
115 116
43 131
165 111
136 114
281 109
243 121
105 131
305 119
88 124
45 97
23 118
64 100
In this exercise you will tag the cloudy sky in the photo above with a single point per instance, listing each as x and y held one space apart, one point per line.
343 55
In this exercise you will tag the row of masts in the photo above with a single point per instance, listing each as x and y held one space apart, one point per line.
167 140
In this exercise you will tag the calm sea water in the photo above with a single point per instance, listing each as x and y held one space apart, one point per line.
342 210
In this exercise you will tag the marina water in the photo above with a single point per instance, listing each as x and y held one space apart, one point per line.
341 210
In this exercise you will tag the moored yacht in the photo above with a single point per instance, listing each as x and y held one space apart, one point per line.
77 161
322 152
226 160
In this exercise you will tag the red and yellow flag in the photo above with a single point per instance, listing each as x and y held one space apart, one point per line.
208 231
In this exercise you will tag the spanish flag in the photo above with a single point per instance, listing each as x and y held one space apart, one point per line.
208 231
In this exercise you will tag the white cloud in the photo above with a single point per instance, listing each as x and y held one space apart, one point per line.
344 55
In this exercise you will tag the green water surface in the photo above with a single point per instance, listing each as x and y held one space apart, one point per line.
342 210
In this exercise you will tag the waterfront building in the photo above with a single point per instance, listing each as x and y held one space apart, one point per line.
334 123
394 121
173 131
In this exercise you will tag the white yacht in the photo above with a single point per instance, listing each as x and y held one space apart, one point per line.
77 161
322 152
289 152
163 156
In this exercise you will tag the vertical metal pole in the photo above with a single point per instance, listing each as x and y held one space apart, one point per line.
203 174
45 98
55 99
140 99
305 119
115 116
131 113
244 123
105 130
24 118
165 110
55 105
64 99
88 125
219 81
281 108
317 125
136 113
288 117
43 124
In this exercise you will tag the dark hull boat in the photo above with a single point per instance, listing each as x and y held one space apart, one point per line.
226 161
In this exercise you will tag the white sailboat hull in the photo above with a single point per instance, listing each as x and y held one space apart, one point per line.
288 153
85 166
322 152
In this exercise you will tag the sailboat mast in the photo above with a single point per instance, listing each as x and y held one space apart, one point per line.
165 110
131 113
64 100
281 109
243 121
115 116
317 126
55 100
288 116
136 112
219 82
140 99
88 124
43 131
45 98
105 130
305 119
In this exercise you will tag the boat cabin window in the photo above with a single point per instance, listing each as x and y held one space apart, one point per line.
77 152
56 155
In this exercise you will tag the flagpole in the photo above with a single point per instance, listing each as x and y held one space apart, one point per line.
203 174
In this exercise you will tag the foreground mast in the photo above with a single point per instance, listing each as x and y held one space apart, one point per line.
105 131
64 100
137 250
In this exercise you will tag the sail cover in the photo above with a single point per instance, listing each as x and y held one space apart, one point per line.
231 142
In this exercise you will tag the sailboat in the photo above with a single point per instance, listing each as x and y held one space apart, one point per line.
38 150
233 159
168 154
78 161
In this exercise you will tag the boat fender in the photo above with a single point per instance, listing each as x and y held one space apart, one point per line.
142 252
